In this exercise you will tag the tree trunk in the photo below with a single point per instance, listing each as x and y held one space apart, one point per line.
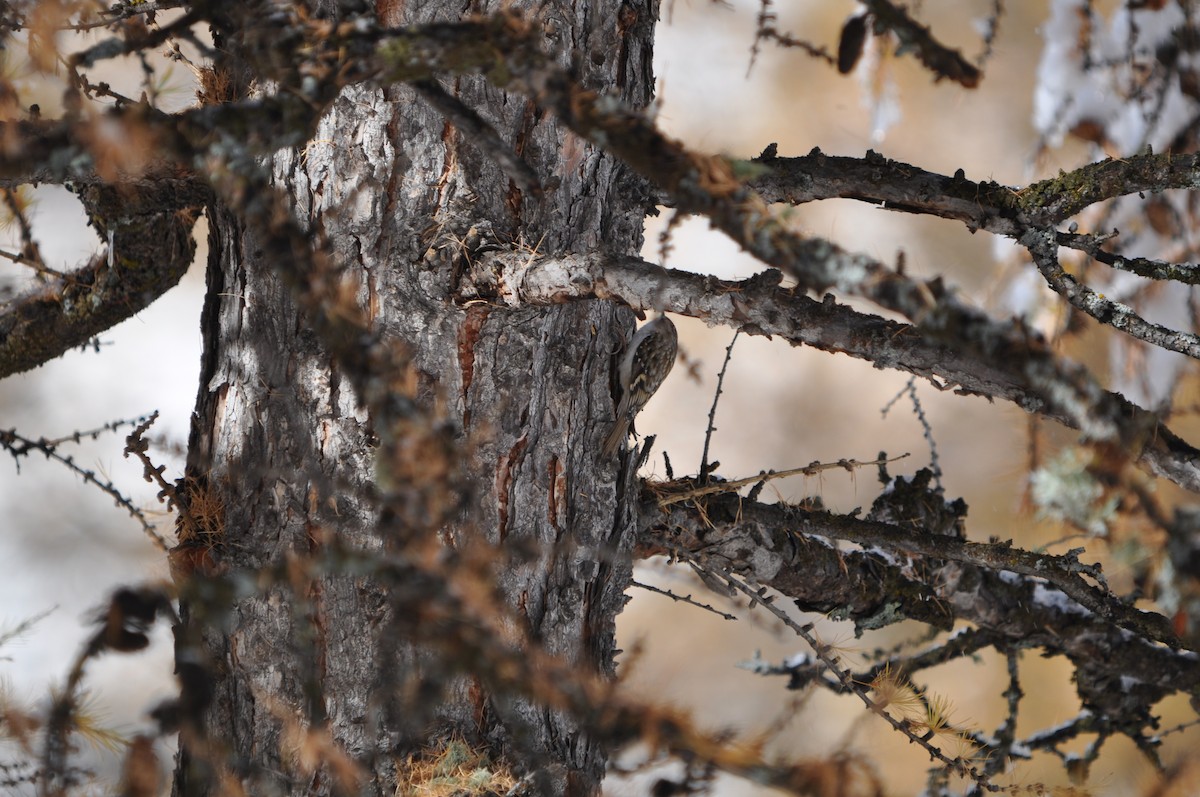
404 199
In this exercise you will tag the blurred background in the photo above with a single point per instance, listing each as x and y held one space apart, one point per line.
68 547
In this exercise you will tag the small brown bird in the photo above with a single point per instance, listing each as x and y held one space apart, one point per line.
644 366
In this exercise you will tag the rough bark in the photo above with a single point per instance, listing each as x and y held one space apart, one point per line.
404 200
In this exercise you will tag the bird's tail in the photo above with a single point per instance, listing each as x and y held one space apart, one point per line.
617 436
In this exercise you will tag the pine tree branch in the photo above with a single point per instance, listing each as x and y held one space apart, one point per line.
150 249
787 549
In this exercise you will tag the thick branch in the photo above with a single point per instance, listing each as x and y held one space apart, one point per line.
150 250
759 306
784 548
891 184
989 206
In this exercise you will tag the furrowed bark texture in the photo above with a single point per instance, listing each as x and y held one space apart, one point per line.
403 198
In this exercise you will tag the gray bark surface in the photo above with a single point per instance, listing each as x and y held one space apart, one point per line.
404 201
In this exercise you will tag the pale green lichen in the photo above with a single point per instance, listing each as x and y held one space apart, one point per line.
1065 490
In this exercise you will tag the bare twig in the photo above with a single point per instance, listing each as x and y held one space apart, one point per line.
910 389
1043 247
670 494
683 599
19 446
712 412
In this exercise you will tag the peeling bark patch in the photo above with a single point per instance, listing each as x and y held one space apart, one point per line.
504 480
390 12
312 528
450 163
573 150
512 201
372 298
323 444
478 697
317 615
557 493
468 336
